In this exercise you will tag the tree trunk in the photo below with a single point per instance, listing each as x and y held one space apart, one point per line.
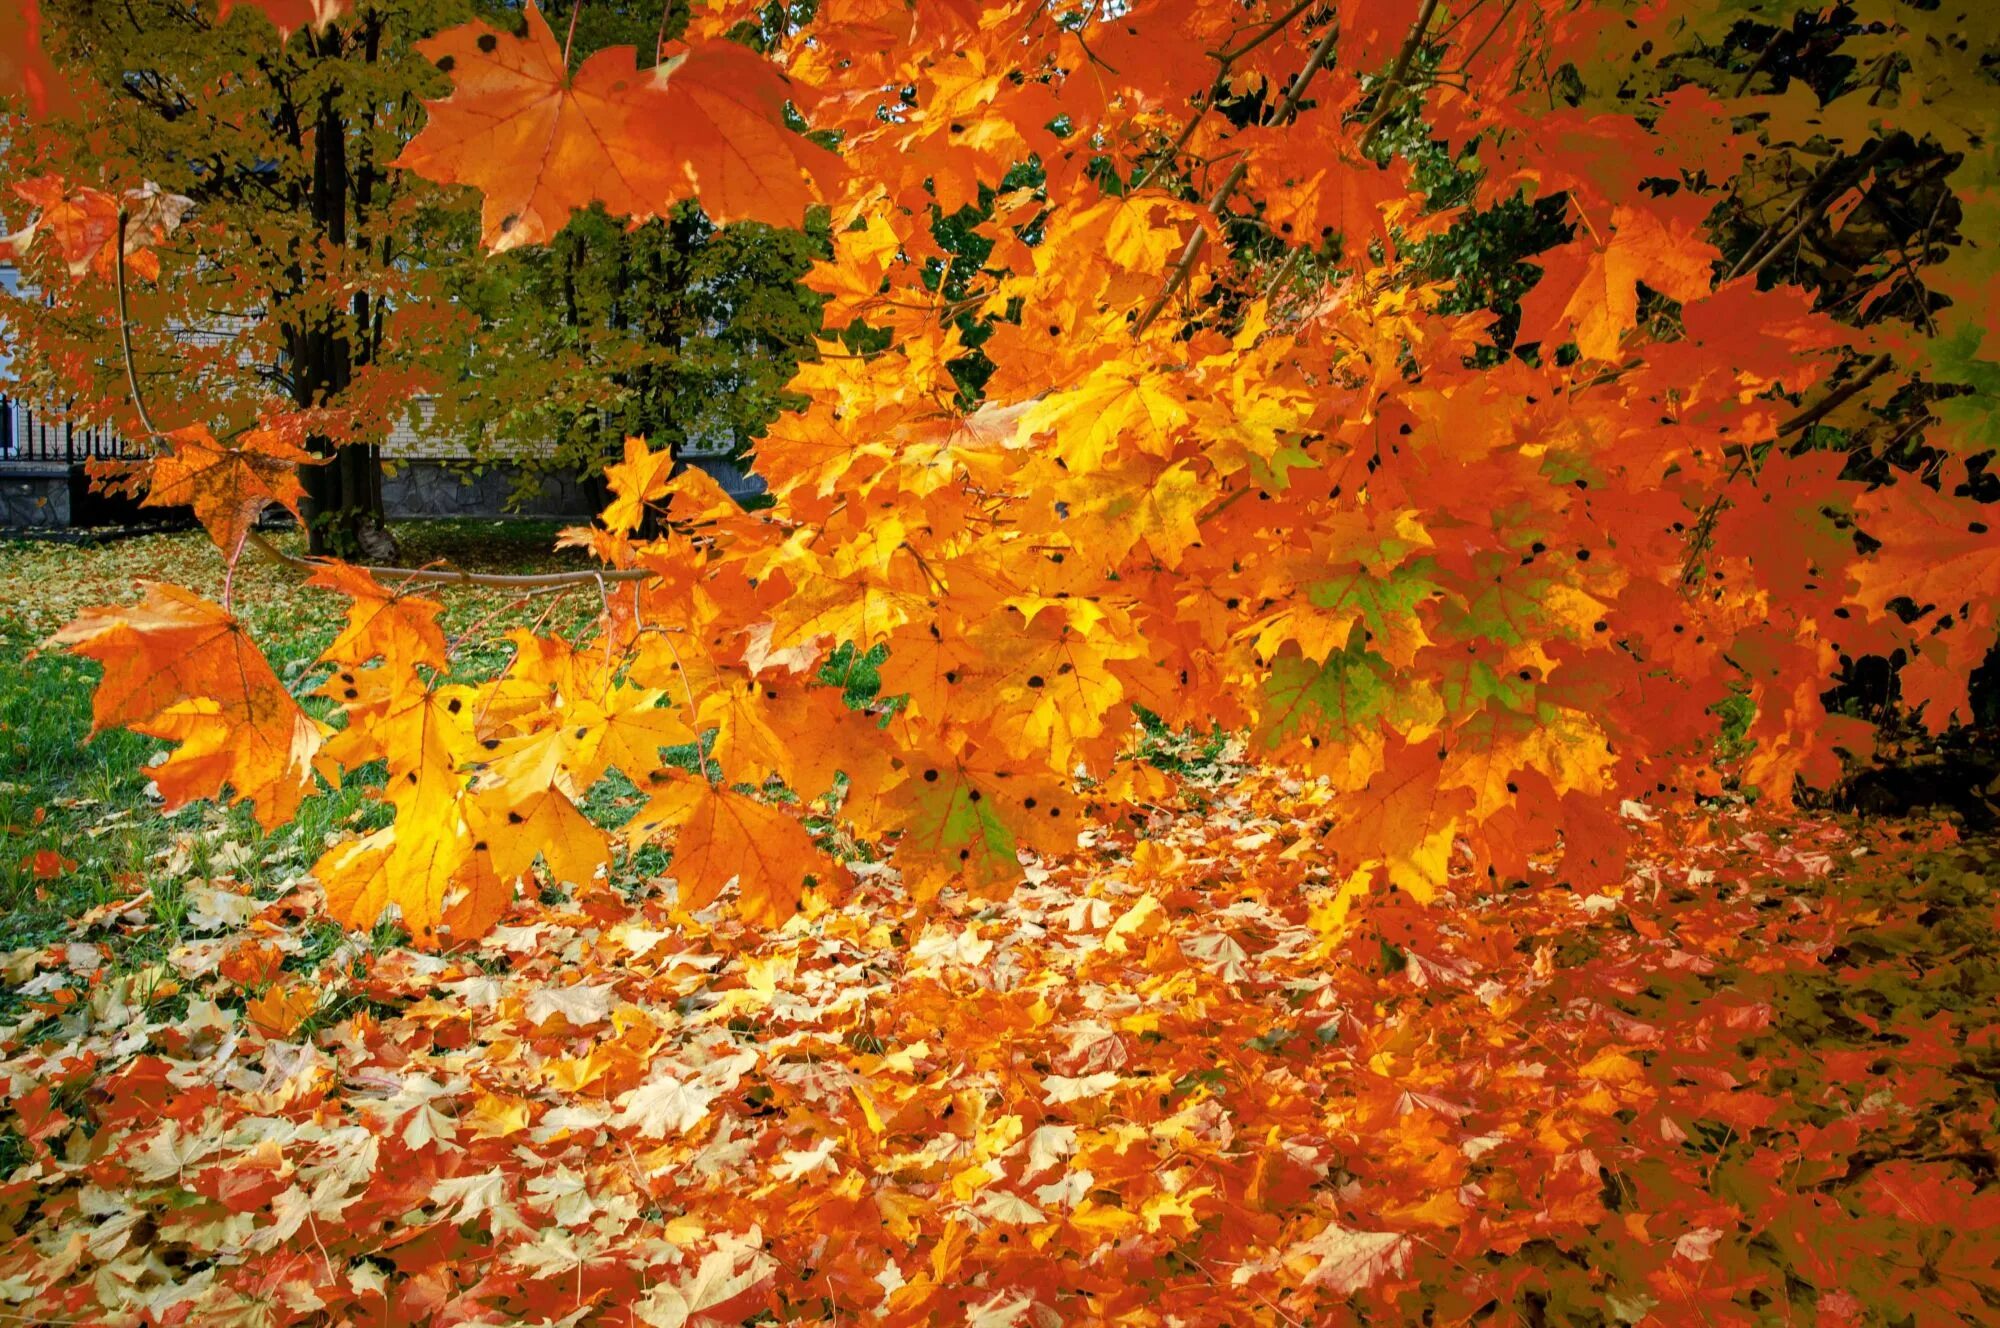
343 508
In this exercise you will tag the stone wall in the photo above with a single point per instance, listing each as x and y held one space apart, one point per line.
420 488
34 498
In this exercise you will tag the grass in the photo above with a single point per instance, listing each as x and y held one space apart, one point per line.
78 827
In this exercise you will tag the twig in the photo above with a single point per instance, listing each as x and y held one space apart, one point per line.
1770 49
1225 62
1832 401
1184 266
1856 168
125 341
1390 90
1703 534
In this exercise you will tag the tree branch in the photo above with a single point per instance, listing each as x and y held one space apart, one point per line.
1184 266
453 577
125 340
1226 62
1814 194
1702 537
1387 101
1837 398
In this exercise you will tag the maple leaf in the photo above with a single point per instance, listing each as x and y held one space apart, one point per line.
1598 286
662 1105
523 809
1119 405
541 143
743 160
83 223
396 627
481 1197
1346 1261
641 478
725 1278
181 668
227 485
626 729
1313 700
727 836
1936 551
966 819
281 1009
580 1005
1405 819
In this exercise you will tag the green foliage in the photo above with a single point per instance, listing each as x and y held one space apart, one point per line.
679 332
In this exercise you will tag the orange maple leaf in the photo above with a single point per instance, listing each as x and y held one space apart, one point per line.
83 222
1595 288
179 667
398 628
636 481
728 836
281 1009
226 484
541 143
1937 551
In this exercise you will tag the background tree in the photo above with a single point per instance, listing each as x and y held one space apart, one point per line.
313 272
308 270
678 331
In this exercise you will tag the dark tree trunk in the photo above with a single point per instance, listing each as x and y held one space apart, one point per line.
344 512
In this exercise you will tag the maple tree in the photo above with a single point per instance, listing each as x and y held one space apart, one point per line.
1141 398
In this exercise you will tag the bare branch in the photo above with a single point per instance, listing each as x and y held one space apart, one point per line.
447 576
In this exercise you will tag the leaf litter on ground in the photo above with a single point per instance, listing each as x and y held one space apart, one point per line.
1174 1074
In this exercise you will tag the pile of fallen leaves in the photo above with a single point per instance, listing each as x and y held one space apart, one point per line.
1171 1081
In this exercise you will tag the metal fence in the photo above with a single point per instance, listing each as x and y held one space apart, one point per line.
32 434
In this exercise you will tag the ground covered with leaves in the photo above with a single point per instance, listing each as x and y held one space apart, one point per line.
1171 1081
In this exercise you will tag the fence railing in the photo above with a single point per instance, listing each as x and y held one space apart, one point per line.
32 434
